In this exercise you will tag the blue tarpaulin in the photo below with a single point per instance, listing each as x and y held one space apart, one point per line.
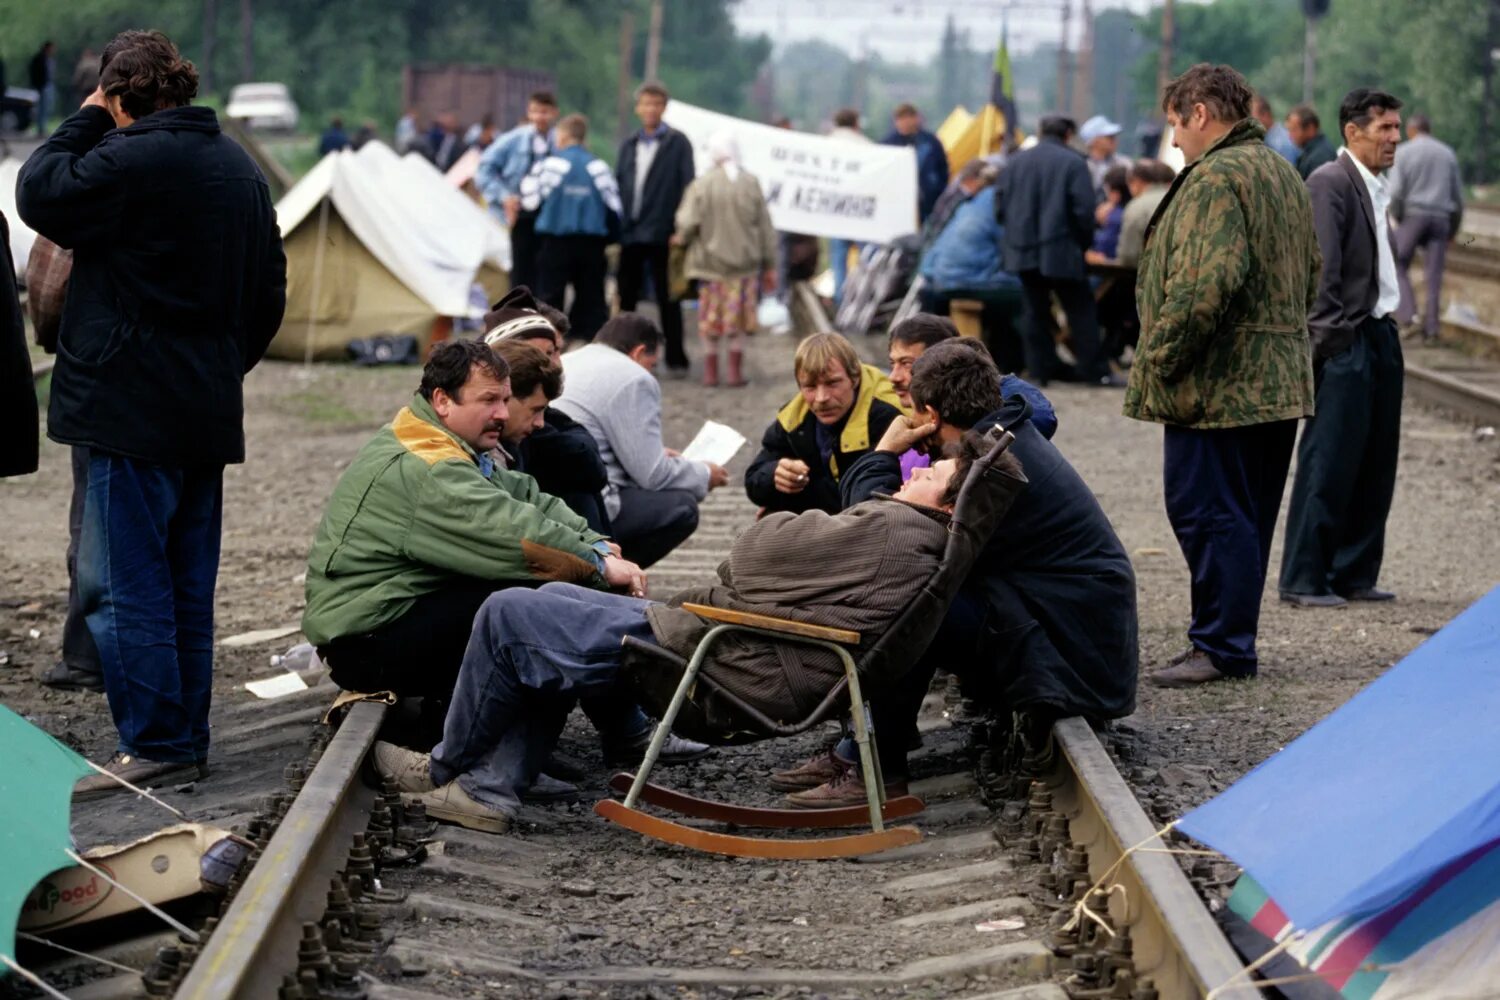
1395 784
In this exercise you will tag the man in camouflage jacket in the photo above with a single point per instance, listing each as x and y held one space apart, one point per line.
1229 272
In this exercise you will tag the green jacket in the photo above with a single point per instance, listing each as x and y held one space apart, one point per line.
1229 272
415 510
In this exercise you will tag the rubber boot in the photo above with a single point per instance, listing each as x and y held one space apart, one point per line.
736 376
711 365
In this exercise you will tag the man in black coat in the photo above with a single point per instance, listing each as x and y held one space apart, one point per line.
178 285
18 447
1045 201
655 167
1346 460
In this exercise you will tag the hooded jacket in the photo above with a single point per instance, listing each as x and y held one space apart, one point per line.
178 282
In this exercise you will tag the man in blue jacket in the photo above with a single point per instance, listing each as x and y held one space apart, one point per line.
577 208
502 167
932 159
178 286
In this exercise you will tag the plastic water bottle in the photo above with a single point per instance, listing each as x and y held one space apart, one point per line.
301 659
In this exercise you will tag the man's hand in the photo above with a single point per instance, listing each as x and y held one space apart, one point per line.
676 240
621 574
95 100
671 452
903 433
511 204
717 475
614 548
791 475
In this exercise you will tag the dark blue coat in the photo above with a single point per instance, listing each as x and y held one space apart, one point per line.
1045 200
178 282
932 166
564 460
1056 586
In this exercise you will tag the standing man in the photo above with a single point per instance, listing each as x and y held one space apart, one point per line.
1277 136
846 128
1045 201
1101 138
178 285
1346 463
1229 272
43 74
932 159
654 168
1427 201
1307 132
505 162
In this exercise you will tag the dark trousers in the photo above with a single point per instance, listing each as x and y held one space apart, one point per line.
652 523
148 559
78 649
1077 300
524 244
1430 234
1002 320
1223 491
578 261
636 259
1346 468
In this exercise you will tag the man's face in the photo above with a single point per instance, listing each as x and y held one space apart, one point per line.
1375 144
1136 185
524 416
926 487
1188 134
478 412
1103 147
903 356
542 116
649 108
829 393
1298 132
907 124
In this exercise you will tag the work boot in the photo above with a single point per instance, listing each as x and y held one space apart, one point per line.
65 677
1313 600
736 376
846 788
810 773
451 804
711 367
1195 670
546 788
675 751
138 771
411 771
1369 594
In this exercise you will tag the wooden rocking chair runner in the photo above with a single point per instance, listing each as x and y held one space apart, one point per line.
704 709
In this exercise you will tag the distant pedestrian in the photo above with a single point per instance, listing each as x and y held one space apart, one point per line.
1427 200
654 168
362 135
43 76
165 315
1277 137
503 165
577 210
1346 461
1045 201
1229 271
1306 131
932 159
1149 181
1101 143
846 128
85 75
408 131
334 138
731 251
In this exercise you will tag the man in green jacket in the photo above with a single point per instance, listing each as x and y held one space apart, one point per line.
1229 272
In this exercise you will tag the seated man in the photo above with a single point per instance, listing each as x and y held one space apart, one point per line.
842 409
963 261
534 650
1046 621
653 494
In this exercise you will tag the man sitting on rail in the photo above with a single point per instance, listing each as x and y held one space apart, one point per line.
532 651
1045 623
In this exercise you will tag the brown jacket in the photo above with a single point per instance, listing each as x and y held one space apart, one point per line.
855 570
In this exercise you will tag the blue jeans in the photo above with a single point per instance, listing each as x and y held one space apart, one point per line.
838 258
148 559
531 654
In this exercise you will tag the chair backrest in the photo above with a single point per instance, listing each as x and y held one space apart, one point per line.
983 500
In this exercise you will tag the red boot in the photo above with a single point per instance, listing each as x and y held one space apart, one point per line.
711 367
736 377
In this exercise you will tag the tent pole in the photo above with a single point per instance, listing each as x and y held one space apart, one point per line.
34 939
170 920
139 791
32 978
317 280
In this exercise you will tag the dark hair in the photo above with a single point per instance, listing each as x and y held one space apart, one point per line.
1221 89
846 118
959 382
1420 123
149 75
575 127
529 368
336 122
978 169
1305 114
542 97
118 44
451 362
904 110
628 331
655 88
1149 171
1059 127
556 317
1259 104
923 328
1361 105
1114 180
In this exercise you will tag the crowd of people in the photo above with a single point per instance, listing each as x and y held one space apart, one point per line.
484 555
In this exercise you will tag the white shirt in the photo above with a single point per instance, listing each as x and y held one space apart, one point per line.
645 154
1390 292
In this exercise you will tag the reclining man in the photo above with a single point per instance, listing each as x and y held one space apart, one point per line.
424 525
532 651
1046 621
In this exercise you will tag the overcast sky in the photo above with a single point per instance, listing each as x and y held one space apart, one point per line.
912 30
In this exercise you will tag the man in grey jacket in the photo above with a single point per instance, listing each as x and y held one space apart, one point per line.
1427 200
653 494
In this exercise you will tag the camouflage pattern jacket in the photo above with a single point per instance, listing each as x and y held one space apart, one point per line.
1228 275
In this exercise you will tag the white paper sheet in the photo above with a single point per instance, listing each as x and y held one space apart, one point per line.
261 635
278 686
714 443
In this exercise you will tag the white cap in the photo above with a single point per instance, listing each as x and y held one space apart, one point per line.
1097 127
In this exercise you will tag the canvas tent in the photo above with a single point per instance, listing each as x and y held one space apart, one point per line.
378 243
21 236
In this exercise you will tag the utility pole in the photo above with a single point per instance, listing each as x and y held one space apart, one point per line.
1063 67
210 35
653 42
1164 54
1083 77
1485 170
247 41
627 52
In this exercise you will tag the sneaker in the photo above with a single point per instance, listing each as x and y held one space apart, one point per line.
451 804
675 750
549 789
137 770
65 677
810 773
847 788
412 771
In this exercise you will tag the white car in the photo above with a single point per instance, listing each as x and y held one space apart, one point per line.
263 106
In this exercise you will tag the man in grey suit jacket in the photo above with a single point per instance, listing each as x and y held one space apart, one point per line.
1346 461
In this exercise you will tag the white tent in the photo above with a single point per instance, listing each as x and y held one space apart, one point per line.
21 236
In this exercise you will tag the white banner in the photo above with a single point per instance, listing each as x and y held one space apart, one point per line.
813 184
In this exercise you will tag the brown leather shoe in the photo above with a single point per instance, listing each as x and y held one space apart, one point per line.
810 773
1196 669
138 771
847 789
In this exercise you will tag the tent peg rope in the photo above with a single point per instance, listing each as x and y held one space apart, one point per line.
32 978
166 917
34 939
